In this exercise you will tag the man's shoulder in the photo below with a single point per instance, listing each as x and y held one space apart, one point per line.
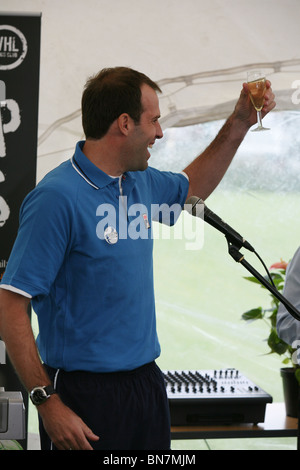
55 188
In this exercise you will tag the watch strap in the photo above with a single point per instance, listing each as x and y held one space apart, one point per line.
49 389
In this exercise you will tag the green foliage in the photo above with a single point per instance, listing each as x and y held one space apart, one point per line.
10 445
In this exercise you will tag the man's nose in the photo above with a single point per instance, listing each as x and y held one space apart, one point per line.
159 132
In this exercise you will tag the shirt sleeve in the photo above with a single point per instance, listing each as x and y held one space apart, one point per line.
169 192
42 241
288 327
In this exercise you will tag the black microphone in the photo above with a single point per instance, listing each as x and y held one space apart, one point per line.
231 235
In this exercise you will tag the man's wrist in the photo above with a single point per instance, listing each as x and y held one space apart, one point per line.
238 127
41 394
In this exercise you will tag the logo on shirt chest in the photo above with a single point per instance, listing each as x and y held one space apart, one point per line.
111 235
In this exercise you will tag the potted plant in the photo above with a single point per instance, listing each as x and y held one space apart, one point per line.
291 372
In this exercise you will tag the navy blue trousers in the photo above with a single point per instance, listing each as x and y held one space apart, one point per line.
127 410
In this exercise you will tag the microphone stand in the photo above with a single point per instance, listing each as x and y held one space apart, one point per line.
239 258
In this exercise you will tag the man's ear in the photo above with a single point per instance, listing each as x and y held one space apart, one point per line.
124 123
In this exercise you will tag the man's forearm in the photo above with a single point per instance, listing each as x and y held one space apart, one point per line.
17 334
207 170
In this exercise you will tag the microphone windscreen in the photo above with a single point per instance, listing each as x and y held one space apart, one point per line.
193 201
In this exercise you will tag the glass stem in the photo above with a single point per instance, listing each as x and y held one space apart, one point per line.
259 119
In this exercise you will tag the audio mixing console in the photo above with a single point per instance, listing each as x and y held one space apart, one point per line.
214 396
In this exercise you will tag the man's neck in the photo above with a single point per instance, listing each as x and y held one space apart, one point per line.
104 156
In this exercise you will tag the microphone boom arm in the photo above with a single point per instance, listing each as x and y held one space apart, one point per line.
239 258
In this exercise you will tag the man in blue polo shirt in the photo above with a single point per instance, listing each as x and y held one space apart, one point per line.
83 257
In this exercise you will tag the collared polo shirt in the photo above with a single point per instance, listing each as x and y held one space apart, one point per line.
83 253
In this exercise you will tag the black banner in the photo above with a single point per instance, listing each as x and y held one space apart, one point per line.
19 87
19 90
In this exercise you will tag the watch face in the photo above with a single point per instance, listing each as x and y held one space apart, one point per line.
38 396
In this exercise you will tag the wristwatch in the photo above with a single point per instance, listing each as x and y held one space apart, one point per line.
39 395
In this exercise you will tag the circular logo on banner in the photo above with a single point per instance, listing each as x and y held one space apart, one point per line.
111 235
13 47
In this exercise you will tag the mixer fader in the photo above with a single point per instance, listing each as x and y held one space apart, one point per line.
214 396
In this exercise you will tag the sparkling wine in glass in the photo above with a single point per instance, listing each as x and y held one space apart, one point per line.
257 88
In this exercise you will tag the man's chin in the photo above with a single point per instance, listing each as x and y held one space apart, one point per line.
144 165
140 168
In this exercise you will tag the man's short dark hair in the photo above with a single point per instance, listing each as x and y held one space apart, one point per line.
110 93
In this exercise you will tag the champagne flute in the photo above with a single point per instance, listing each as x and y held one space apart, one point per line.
257 88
